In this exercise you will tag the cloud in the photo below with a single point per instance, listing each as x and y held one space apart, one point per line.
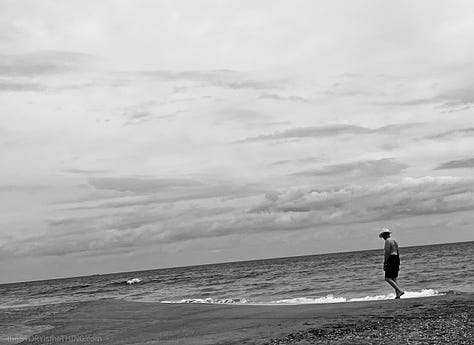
6 86
132 192
327 131
85 171
141 212
131 230
287 210
23 84
138 116
140 185
453 133
459 97
219 78
310 132
148 197
299 161
449 101
122 231
43 63
21 188
337 89
358 204
379 167
245 119
278 97
239 116
290 210
135 218
457 164
245 84
106 243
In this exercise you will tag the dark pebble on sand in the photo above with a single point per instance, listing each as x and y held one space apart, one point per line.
451 324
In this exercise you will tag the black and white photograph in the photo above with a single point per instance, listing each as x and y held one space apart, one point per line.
236 172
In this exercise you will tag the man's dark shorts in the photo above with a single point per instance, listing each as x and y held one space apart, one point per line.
393 266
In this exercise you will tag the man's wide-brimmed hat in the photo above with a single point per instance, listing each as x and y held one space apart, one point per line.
384 231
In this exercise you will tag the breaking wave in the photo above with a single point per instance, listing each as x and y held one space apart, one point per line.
335 299
210 300
309 300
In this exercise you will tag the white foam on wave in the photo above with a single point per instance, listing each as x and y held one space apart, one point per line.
333 299
133 281
308 300
210 300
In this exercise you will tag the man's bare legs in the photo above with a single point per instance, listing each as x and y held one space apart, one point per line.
393 283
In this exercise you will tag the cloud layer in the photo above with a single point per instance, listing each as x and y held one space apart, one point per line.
296 209
457 164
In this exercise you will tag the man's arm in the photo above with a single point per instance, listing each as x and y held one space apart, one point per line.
387 253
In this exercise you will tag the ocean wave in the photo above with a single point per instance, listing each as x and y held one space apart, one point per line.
309 300
126 282
210 300
453 292
341 299
59 290
98 290
133 281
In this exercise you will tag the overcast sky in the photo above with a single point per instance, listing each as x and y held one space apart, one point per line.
147 134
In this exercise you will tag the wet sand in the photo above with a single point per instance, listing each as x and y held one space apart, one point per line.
432 320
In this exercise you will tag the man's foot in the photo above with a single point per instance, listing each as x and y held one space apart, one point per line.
400 294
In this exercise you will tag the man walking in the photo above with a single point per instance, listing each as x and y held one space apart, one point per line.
391 263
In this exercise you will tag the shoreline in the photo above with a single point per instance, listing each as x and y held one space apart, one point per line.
111 321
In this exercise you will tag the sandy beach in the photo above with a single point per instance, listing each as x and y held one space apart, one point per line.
434 320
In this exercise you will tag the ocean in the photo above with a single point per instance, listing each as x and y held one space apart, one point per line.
301 279
327 278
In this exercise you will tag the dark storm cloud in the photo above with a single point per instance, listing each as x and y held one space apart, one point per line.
457 164
380 167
